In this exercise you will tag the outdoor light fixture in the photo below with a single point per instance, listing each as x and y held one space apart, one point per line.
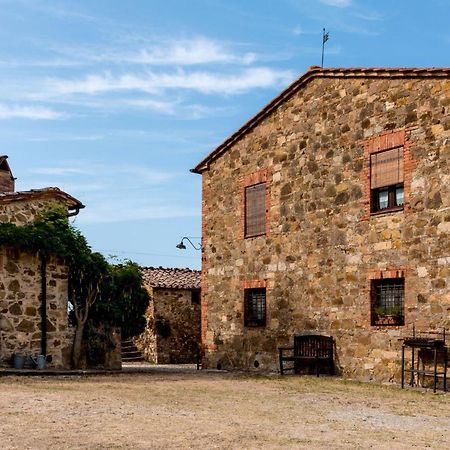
181 245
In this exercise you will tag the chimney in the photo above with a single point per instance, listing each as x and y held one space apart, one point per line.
7 183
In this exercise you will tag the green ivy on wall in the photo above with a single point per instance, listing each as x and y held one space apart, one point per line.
107 294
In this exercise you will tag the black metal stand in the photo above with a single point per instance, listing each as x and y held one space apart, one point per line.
418 346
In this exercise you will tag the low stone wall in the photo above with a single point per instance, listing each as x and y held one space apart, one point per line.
102 348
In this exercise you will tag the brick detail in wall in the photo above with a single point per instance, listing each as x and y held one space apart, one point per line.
261 176
380 274
387 141
204 283
253 284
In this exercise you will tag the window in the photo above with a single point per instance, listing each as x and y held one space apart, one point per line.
388 301
255 307
195 297
386 180
255 210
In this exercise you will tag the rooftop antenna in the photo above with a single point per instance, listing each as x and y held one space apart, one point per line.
325 37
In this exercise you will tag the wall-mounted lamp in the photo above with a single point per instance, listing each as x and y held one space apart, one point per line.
181 245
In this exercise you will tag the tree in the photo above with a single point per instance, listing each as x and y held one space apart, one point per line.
123 300
86 279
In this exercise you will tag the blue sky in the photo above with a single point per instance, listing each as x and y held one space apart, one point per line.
115 101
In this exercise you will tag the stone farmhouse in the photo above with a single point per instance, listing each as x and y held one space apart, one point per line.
329 213
172 334
33 296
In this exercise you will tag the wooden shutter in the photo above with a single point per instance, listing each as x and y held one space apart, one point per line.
255 210
386 168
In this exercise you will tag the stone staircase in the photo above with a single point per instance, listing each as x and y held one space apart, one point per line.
130 353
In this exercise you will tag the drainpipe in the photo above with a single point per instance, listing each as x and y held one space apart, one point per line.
75 211
43 304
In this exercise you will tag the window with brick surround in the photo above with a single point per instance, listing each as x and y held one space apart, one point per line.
388 301
255 307
386 180
255 210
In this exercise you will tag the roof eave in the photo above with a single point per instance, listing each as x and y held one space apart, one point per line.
71 202
314 72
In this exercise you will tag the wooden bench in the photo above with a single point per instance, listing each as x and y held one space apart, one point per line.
309 351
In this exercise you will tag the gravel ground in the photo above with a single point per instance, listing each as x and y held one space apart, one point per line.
184 409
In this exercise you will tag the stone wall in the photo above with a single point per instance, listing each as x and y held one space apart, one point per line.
20 291
172 335
323 247
20 308
23 212
102 347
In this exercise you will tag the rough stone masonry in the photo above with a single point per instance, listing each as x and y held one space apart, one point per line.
21 286
323 246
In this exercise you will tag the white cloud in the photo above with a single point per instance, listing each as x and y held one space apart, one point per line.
154 82
65 137
159 52
58 171
337 3
147 176
177 108
164 107
29 112
369 15
47 63
183 53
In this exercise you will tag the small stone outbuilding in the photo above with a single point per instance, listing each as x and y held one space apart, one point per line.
33 296
172 334
328 213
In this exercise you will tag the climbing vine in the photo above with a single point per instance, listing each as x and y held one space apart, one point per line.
105 294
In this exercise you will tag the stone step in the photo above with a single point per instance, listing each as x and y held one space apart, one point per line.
130 352
132 359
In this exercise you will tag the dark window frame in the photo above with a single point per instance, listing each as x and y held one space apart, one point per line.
391 189
255 307
392 198
262 231
387 302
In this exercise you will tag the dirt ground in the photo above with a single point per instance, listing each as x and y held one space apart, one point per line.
170 410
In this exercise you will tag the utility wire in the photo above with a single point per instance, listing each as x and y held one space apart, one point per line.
144 253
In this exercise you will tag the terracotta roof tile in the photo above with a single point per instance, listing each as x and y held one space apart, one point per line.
160 277
8 197
318 72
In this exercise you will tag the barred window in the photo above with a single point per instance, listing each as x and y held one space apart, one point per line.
388 301
255 210
255 307
386 179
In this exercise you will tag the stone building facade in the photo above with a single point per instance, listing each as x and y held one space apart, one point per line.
329 212
172 334
26 327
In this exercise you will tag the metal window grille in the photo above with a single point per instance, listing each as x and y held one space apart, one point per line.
388 301
255 307
255 210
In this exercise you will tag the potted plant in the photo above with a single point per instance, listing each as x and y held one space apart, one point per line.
392 315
